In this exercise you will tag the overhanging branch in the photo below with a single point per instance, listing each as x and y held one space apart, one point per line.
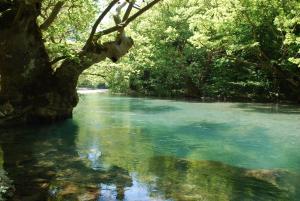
127 21
57 8
128 11
58 59
141 11
94 52
98 21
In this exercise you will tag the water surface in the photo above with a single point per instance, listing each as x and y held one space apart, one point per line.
137 149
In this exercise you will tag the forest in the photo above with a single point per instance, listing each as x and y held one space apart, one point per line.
241 50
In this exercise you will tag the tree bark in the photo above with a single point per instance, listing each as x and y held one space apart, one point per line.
30 90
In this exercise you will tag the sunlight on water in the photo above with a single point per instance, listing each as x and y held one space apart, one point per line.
244 135
137 149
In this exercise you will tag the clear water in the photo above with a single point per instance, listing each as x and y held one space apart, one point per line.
137 149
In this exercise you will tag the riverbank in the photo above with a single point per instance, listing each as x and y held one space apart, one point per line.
210 99
91 91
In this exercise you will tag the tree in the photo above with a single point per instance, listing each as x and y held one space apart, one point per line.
224 49
36 87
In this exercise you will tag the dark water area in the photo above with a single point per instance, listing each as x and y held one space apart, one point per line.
137 149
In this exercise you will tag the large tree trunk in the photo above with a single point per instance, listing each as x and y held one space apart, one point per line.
30 90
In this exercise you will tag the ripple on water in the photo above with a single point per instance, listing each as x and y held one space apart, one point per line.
122 148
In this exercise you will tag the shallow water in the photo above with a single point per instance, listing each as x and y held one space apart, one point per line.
137 149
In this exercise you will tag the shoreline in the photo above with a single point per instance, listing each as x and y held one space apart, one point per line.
91 91
83 90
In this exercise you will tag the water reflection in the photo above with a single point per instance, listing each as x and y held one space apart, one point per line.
208 180
150 150
44 165
273 108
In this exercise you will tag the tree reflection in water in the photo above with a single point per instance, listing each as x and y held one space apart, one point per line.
208 180
44 165
47 163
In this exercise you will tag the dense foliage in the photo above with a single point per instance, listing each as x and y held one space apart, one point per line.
222 49
71 27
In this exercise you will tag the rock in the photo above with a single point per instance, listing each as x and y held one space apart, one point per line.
89 196
69 189
6 109
2 114
44 185
40 180
270 176
6 187
50 173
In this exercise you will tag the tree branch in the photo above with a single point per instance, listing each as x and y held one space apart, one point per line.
94 52
116 16
128 11
19 12
58 6
58 59
126 22
98 21
141 11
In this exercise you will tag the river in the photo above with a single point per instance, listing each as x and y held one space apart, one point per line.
139 149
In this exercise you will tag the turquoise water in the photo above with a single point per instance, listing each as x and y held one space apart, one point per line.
138 149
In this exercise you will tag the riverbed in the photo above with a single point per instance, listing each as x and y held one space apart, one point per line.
139 149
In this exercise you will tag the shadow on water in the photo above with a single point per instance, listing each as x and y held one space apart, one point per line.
142 106
209 129
44 165
269 108
152 109
209 180
121 104
224 142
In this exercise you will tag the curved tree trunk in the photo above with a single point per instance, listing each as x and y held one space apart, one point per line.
30 90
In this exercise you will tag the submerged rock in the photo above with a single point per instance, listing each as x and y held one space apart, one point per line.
6 187
91 195
187 180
